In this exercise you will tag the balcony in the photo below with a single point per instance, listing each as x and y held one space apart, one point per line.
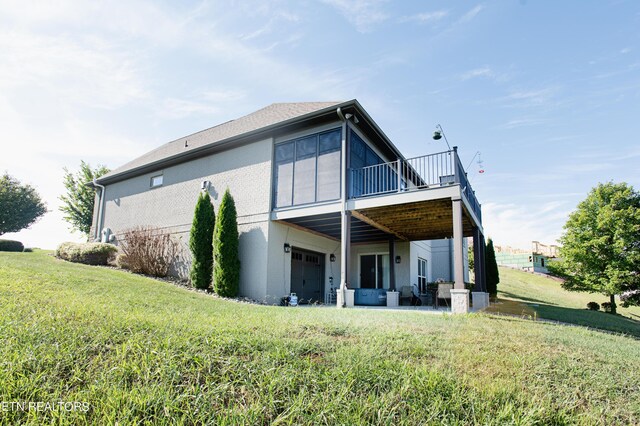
428 172
409 199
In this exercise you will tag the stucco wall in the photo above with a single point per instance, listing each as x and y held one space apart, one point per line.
245 170
279 262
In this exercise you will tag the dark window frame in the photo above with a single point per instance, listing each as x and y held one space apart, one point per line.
151 181
295 159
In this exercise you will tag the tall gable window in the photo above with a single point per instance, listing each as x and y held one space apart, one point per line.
366 179
307 170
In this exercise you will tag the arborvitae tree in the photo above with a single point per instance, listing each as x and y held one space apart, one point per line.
226 269
201 242
491 267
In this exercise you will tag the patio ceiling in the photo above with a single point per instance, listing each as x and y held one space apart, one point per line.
423 220
328 225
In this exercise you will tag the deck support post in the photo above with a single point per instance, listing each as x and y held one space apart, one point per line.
479 294
478 261
345 260
392 264
345 296
459 294
458 266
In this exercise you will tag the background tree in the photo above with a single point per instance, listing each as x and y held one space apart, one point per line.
600 250
201 242
491 267
20 205
226 268
79 199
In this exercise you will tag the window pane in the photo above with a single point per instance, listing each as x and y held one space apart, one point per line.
283 184
284 152
330 141
304 189
329 176
156 181
357 151
306 148
372 158
383 270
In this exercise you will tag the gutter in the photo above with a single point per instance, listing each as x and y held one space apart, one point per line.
100 206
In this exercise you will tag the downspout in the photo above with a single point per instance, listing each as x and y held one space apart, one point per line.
100 206
344 258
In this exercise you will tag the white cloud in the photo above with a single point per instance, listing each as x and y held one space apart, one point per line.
478 72
533 96
363 14
518 225
81 71
522 122
471 14
425 17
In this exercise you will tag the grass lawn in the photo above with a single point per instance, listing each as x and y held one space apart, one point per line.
141 351
546 297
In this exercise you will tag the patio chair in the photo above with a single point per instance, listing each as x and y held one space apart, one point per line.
444 292
406 294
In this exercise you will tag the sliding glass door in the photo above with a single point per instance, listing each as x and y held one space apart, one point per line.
374 271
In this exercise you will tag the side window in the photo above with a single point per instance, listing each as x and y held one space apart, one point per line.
156 181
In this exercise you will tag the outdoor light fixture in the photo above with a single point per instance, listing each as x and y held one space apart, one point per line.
287 248
439 134
398 259
332 257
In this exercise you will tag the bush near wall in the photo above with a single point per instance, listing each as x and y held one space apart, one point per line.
147 250
87 253
11 245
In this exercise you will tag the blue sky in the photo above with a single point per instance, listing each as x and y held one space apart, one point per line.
548 92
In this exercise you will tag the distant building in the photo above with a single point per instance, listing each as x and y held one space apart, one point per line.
534 260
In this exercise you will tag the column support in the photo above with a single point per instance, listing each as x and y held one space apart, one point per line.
392 264
458 267
345 296
477 260
483 275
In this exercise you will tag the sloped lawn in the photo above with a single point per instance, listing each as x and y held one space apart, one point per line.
144 351
546 297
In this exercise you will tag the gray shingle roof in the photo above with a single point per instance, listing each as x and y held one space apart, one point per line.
271 115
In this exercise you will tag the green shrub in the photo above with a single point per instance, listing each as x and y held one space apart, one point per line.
201 242
226 265
87 253
606 306
593 306
28 250
11 245
491 267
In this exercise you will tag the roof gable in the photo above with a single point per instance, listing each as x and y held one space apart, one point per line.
263 118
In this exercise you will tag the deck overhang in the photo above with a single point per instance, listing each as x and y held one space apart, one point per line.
407 216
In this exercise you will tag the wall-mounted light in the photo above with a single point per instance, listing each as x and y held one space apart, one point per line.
287 248
398 259
332 257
